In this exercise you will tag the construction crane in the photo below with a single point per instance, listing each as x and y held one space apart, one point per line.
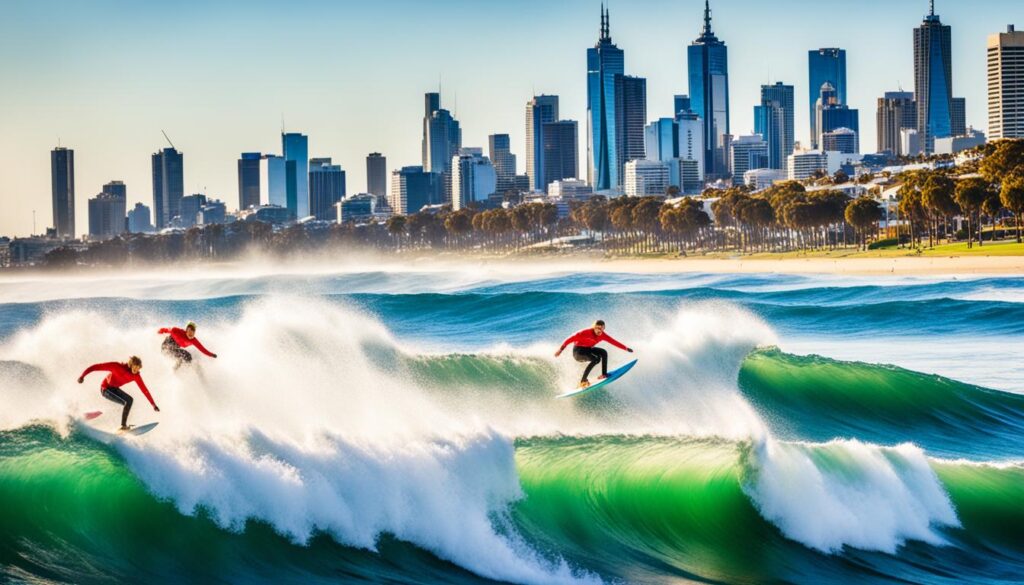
167 138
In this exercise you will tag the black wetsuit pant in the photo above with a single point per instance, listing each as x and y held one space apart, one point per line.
171 348
592 355
121 397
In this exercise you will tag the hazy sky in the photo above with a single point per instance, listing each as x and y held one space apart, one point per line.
105 76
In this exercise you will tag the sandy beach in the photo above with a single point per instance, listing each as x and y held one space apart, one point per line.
955 265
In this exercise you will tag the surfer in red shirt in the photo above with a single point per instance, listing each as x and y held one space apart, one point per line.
178 339
118 375
584 349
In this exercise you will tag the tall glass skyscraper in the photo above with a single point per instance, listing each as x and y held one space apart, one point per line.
296 152
933 80
62 185
708 63
277 181
500 151
561 151
377 174
541 110
168 185
249 180
773 120
326 187
824 66
631 118
604 62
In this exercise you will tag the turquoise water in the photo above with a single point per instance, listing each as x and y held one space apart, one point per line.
399 426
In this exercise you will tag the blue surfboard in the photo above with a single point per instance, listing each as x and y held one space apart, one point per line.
612 376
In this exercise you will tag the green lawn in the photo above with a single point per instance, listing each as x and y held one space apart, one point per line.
1000 248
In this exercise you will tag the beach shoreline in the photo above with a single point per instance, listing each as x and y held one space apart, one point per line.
904 266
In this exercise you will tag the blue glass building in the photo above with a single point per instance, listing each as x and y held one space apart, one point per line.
933 80
168 186
773 120
604 62
708 63
824 66
296 156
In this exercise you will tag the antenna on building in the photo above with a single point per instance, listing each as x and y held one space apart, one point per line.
282 122
168 139
931 7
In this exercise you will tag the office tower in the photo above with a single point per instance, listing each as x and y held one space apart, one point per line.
442 137
413 188
62 185
139 221
830 114
116 188
807 164
896 111
189 211
933 80
168 185
631 117
561 151
690 138
377 174
687 174
748 152
842 140
277 180
958 117
604 62
213 211
106 216
541 110
825 66
296 156
500 151
680 103
1006 84
662 139
473 177
326 187
773 120
249 180
645 177
708 64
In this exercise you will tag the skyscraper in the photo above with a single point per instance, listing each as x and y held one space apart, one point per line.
680 103
662 139
958 117
473 177
933 80
190 207
249 180
500 151
773 120
1006 84
708 64
690 144
326 187
561 151
296 152
631 118
277 180
442 139
748 152
116 188
62 185
139 221
604 62
412 188
843 140
542 109
168 185
377 174
825 66
106 216
896 111
831 115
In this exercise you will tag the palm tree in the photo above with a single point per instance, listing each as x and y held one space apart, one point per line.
863 214
937 197
1012 196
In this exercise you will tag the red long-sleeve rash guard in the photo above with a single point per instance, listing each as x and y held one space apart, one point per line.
587 338
179 337
119 375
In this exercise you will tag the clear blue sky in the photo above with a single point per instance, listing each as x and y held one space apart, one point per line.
105 76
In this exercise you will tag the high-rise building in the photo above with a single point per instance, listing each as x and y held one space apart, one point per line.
168 185
561 151
326 187
296 156
213 211
473 177
249 180
773 120
842 140
1006 84
708 64
680 103
442 136
807 164
189 210
896 111
413 188
645 177
933 80
831 115
62 185
687 174
116 188
139 221
377 174
958 117
500 151
541 110
106 216
631 117
662 137
277 180
690 137
605 61
825 66
748 152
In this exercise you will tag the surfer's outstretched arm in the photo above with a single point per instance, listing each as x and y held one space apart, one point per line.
616 343
104 367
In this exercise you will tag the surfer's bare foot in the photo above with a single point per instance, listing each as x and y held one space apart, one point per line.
584 383
125 428
604 377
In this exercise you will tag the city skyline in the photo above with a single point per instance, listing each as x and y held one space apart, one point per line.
101 102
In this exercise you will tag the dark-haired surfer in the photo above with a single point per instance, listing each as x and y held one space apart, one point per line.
583 349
